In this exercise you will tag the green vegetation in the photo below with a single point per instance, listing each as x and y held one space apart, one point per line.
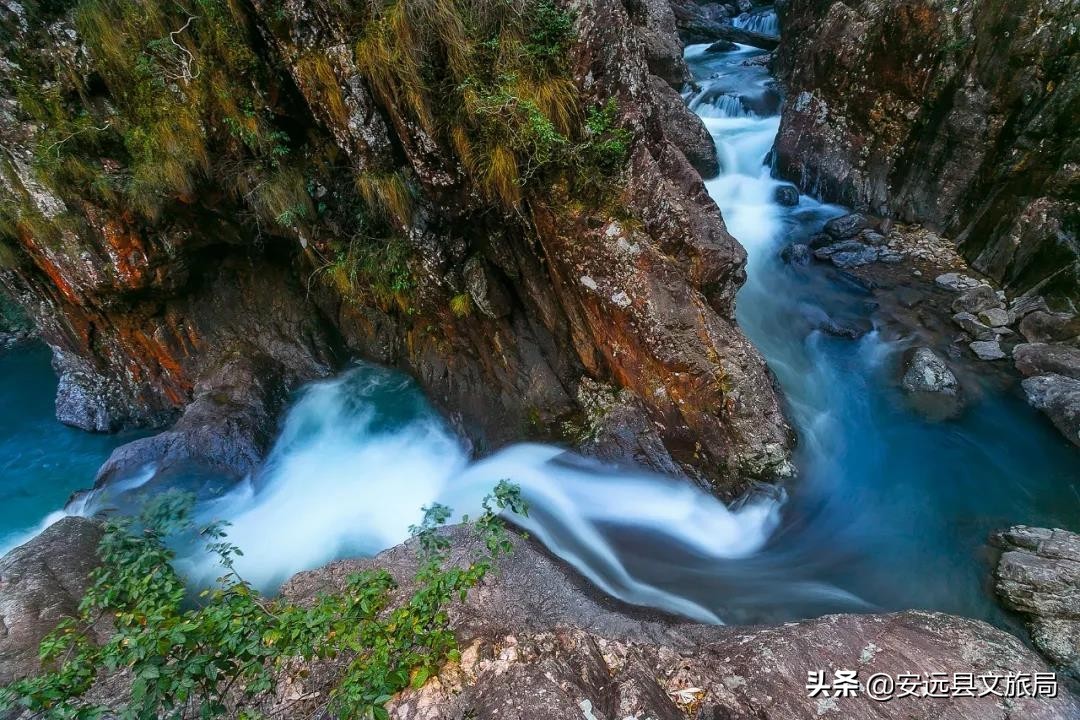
374 267
231 647
182 106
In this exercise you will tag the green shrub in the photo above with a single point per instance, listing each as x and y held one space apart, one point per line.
227 651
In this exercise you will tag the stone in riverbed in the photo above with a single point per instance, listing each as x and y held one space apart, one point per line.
796 254
1026 304
1059 397
871 237
957 282
1041 326
721 46
994 317
971 325
928 373
1038 576
848 254
975 300
987 350
787 195
1045 359
847 226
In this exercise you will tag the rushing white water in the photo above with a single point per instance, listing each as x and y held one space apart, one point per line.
765 23
361 455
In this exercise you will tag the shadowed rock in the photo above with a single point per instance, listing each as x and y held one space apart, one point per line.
41 583
1059 397
1038 576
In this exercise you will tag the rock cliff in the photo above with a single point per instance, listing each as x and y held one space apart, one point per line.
202 211
961 116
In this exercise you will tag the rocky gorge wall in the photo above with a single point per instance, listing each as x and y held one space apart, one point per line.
201 213
961 116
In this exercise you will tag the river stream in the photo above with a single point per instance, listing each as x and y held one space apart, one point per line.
889 510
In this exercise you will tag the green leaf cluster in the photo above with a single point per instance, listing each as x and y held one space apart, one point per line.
225 654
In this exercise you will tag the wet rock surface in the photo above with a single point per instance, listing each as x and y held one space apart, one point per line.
537 643
928 372
1038 576
939 113
41 583
1059 397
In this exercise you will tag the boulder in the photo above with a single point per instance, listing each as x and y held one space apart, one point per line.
971 325
1026 304
1043 359
848 254
685 129
871 237
927 372
795 254
975 300
987 349
41 583
721 46
1059 397
847 226
994 317
226 430
1041 327
1038 576
662 47
957 282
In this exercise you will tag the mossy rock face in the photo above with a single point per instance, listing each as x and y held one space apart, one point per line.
957 115
422 183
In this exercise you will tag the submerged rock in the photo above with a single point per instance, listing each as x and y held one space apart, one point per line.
795 254
721 46
848 254
1038 576
1059 397
928 372
787 195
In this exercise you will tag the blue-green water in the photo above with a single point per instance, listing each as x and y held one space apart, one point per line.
41 461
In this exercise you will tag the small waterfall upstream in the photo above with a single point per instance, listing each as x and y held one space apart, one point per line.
889 510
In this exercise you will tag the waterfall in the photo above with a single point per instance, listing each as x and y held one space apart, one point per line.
765 23
360 455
